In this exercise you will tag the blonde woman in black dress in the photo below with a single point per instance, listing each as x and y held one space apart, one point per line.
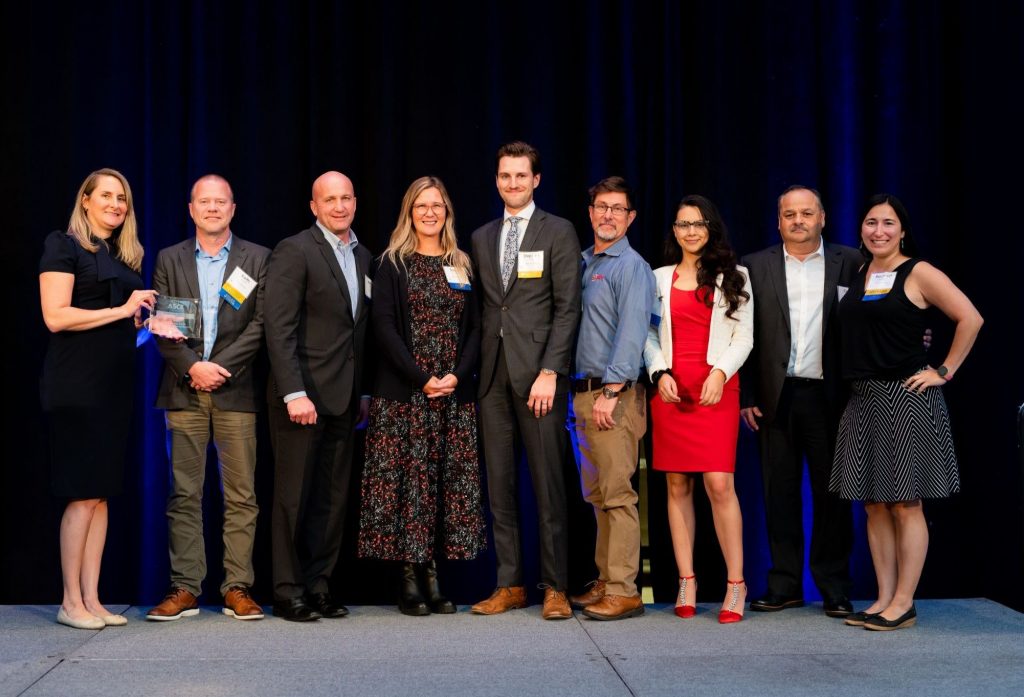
92 298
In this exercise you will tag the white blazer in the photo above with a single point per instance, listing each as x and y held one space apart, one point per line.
731 338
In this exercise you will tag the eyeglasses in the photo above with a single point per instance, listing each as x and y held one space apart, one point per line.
684 225
435 208
617 210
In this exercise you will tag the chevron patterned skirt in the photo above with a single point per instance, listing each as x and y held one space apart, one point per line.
894 445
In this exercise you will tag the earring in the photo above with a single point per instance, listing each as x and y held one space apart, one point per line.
901 244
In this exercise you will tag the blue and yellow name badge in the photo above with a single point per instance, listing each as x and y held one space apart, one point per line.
878 286
530 264
457 278
237 288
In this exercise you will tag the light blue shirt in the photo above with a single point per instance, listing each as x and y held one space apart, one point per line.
211 278
345 254
619 293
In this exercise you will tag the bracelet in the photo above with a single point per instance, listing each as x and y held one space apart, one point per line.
657 376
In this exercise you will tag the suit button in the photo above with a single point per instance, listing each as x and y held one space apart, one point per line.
504 308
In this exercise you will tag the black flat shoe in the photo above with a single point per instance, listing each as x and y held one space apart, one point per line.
325 605
295 610
880 624
774 603
432 590
857 619
838 607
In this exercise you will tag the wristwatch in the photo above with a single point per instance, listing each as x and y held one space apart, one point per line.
943 372
609 393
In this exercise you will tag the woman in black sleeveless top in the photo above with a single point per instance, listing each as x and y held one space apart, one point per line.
894 446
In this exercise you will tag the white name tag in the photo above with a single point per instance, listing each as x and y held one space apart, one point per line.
368 287
457 278
237 288
879 285
531 264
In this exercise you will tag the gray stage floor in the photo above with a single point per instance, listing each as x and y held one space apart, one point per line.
959 647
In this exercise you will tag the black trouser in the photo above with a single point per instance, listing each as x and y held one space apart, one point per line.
804 426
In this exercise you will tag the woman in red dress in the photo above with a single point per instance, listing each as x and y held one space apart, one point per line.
693 353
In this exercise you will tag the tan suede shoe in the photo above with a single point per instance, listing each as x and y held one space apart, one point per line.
556 605
501 600
615 607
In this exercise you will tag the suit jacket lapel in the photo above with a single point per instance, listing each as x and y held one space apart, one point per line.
777 274
489 265
833 266
332 263
362 271
187 262
236 258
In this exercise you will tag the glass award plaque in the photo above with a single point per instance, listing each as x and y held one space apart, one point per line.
174 318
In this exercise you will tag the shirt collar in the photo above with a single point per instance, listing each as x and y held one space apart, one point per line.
224 251
524 214
616 250
333 240
820 251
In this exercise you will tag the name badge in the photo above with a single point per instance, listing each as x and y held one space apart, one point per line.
367 287
878 285
531 264
237 288
457 278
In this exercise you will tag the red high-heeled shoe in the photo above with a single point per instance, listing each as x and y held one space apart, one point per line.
684 609
729 614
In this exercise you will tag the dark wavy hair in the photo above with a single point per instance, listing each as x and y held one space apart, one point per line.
717 257
907 245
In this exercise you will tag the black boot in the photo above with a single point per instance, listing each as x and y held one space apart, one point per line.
438 603
410 600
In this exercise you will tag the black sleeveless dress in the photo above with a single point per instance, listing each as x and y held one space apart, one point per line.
894 444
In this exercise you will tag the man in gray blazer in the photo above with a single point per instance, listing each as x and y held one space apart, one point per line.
793 396
527 264
317 311
210 385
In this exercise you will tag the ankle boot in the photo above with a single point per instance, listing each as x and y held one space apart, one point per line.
432 590
410 600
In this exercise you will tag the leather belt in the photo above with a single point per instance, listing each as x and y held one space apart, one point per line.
593 384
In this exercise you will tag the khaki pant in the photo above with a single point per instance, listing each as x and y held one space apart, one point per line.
607 461
234 435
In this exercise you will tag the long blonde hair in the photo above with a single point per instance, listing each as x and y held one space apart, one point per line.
127 247
403 238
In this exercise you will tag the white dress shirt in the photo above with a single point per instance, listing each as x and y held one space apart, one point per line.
805 286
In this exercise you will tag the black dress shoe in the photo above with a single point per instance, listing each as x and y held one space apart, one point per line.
838 607
857 619
774 603
432 590
295 610
325 605
880 624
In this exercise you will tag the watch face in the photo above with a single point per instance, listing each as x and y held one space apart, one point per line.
942 370
609 393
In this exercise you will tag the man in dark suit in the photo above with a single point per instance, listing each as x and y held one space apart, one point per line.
528 265
793 396
210 385
317 311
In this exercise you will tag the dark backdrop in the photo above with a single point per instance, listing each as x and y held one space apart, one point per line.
734 101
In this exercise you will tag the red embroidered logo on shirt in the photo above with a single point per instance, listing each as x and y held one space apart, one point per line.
597 277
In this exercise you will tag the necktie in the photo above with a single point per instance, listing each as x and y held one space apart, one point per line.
511 251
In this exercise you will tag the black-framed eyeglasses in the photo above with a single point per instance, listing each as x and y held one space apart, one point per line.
684 225
617 210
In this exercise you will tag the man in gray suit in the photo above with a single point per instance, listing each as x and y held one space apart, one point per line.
317 312
527 266
210 386
793 396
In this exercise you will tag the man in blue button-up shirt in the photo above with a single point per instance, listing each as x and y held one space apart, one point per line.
610 409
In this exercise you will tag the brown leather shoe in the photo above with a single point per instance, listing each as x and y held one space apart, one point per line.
177 604
240 605
556 605
501 600
615 607
594 592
